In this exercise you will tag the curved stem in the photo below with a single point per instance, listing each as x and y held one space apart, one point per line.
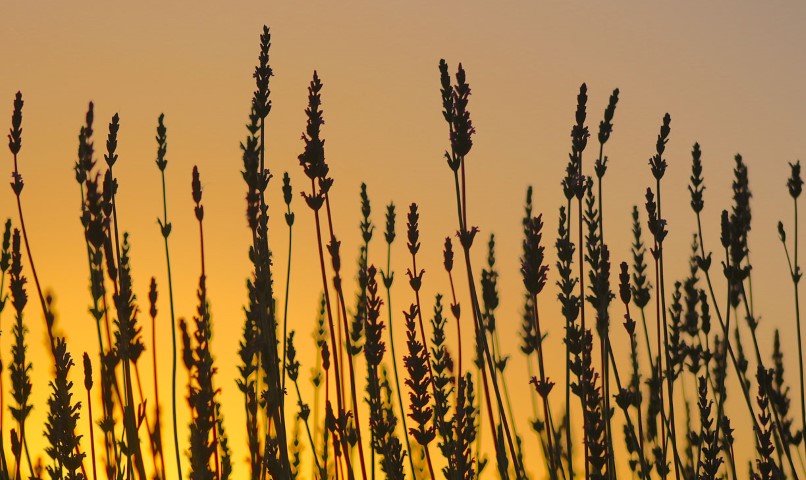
165 235
394 357
285 307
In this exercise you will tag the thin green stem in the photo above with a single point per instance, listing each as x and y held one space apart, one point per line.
285 307
796 282
308 430
389 275
165 233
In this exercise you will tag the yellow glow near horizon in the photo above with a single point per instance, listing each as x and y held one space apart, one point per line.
728 76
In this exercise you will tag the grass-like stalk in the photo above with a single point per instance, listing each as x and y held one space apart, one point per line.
360 317
127 341
570 309
696 189
289 220
795 188
333 247
292 368
382 420
740 220
165 230
454 100
766 468
795 185
205 459
15 145
640 288
129 346
63 415
5 264
632 396
657 225
93 221
156 441
420 382
20 367
267 327
388 277
534 272
576 185
313 163
600 167
489 288
88 387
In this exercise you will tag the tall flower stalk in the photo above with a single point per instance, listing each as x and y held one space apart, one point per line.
455 113
388 277
795 187
313 163
534 272
15 145
20 368
289 220
208 455
165 230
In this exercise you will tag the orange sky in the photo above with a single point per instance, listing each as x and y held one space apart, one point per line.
728 74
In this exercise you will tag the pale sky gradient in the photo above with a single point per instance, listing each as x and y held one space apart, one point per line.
730 74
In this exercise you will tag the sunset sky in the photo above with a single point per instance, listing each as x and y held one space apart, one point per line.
730 74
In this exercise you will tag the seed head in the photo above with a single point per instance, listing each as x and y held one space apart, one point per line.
152 298
533 268
795 182
696 187
87 372
15 133
112 141
287 191
390 223
162 143
447 255
657 162
312 158
196 189
606 125
413 229
624 283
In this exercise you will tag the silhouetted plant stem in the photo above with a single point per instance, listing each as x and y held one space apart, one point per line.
313 162
456 114
388 278
88 387
333 332
128 346
293 373
15 144
777 428
669 428
143 414
600 167
5 264
582 314
544 387
165 230
568 321
343 306
20 366
795 188
534 273
796 280
725 324
455 308
289 220
157 440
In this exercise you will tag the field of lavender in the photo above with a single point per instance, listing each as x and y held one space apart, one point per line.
414 407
